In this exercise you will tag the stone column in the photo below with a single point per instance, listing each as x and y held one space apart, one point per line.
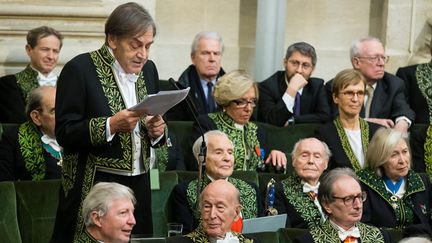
270 32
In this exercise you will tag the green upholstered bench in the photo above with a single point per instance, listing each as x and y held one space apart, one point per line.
182 131
284 138
161 203
37 206
9 229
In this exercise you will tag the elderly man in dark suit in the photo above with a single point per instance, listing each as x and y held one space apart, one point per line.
201 76
418 82
384 101
103 139
292 96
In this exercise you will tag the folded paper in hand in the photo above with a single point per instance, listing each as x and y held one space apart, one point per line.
161 102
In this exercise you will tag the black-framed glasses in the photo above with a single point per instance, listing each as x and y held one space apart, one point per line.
242 103
349 200
350 94
304 65
375 59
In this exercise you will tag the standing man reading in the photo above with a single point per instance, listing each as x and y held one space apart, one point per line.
103 140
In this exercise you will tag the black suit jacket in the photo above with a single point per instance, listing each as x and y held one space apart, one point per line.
190 78
388 100
271 108
413 95
12 102
328 134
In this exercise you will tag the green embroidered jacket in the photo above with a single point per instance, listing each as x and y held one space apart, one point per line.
245 141
199 236
304 207
29 139
248 197
326 233
27 80
400 210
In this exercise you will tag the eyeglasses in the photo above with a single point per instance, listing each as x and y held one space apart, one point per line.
375 59
304 65
351 94
349 200
241 103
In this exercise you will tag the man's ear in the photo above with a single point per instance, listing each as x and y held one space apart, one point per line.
237 212
355 62
112 41
326 207
96 218
34 115
28 49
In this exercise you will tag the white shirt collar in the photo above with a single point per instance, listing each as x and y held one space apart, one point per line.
343 234
229 238
48 80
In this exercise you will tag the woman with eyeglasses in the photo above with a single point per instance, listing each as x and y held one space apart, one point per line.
397 196
237 93
348 135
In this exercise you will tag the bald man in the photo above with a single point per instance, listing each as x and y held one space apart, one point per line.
220 207
30 150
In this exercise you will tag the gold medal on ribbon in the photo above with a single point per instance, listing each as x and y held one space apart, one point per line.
394 199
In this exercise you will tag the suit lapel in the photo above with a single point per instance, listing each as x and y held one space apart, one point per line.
378 100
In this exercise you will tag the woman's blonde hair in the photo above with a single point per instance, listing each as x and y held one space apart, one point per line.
381 148
232 86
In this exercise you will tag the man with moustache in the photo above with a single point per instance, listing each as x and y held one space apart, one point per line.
43 48
103 139
384 101
201 76
341 198
293 96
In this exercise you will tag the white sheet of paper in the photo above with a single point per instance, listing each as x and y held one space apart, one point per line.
161 102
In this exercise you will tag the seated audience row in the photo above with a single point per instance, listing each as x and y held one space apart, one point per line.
293 96
287 97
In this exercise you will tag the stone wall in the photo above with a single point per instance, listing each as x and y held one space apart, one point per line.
329 25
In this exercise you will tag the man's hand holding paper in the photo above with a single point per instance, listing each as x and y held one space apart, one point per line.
158 104
155 126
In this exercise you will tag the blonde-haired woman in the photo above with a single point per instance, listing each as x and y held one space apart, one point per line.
237 93
397 196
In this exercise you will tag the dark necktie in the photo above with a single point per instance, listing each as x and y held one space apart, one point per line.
297 104
210 100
